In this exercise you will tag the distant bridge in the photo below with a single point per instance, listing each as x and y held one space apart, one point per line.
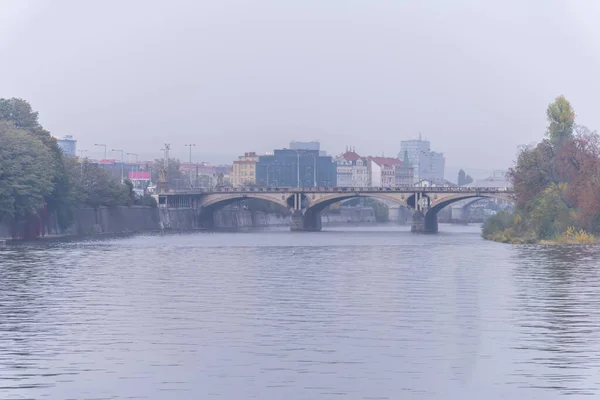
306 204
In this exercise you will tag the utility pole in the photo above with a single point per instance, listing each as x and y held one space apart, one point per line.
102 145
190 145
122 161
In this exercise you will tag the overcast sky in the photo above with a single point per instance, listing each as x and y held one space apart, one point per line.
474 77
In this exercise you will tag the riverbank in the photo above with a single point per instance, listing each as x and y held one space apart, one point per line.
569 237
138 219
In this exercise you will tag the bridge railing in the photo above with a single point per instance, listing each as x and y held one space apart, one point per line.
397 189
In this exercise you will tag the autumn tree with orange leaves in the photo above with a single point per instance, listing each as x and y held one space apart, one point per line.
556 182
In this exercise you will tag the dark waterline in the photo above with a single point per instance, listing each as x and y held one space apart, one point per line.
361 313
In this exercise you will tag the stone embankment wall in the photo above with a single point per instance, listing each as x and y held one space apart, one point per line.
89 221
182 219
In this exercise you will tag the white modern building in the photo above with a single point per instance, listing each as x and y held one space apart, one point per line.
427 164
68 145
382 171
499 179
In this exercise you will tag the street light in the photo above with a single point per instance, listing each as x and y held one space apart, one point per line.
133 154
121 151
102 145
190 145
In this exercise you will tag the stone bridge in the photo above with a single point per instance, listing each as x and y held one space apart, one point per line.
306 204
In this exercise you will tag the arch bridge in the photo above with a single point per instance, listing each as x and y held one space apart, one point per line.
306 204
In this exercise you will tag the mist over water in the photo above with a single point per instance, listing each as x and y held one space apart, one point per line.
362 313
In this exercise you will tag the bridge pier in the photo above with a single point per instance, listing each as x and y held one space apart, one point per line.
310 221
206 219
424 223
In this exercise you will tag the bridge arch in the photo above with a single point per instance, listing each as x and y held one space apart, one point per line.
430 217
319 203
210 203
222 199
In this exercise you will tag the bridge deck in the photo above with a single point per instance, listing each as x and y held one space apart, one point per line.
402 189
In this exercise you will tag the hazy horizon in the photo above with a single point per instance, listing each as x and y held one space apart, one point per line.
237 76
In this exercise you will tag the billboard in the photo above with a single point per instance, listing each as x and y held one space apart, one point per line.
139 175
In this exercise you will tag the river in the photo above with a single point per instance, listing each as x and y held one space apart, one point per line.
357 313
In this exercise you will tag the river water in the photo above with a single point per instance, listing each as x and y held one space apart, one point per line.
357 313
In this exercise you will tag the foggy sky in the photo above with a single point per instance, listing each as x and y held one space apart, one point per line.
234 76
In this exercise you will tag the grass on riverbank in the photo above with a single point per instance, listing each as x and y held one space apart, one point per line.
570 236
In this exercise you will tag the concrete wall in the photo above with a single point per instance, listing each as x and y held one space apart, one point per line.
350 215
114 220
89 221
187 219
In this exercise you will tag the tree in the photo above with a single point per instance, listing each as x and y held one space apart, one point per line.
463 178
20 112
557 181
534 171
25 173
561 120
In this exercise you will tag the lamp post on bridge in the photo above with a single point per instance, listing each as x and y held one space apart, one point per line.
102 145
190 145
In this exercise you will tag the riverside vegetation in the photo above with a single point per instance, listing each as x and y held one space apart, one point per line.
556 184
37 179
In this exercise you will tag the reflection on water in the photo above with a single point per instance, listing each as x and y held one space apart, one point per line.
559 318
365 313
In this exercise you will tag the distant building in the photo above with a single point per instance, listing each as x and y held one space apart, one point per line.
404 175
305 145
285 165
343 172
499 178
68 145
430 183
351 170
244 170
382 172
427 164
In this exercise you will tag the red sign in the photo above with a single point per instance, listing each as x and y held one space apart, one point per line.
139 176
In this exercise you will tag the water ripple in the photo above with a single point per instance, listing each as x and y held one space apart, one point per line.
364 313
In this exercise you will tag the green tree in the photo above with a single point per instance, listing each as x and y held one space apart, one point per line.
25 179
20 113
549 213
463 178
561 120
